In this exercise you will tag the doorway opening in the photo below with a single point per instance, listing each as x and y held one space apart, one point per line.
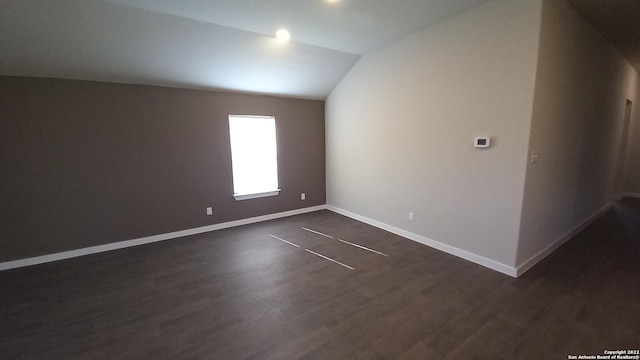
622 155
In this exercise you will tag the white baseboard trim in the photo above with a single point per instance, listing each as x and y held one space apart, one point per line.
480 260
563 239
631 194
150 239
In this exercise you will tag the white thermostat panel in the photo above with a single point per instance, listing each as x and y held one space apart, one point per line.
482 142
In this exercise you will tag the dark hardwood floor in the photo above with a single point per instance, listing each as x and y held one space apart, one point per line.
243 294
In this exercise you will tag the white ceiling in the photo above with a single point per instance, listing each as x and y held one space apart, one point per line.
207 44
351 26
229 44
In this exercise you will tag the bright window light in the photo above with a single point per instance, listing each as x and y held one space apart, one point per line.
254 156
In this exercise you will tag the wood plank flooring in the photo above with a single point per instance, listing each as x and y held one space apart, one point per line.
243 294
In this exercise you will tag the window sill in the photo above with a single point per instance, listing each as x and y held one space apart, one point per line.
240 197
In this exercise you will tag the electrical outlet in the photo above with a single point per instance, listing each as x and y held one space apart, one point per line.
209 211
303 196
410 216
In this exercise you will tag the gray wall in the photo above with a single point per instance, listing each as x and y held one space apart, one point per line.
400 129
86 163
582 85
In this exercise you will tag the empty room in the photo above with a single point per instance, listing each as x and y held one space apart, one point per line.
319 179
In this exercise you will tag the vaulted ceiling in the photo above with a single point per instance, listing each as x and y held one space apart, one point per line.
209 44
215 44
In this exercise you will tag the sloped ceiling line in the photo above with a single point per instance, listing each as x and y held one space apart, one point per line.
227 44
207 44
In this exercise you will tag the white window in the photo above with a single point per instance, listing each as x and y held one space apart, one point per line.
254 156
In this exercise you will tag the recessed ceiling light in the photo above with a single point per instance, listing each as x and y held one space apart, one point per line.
283 35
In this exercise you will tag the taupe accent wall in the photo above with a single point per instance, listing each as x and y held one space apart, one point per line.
87 163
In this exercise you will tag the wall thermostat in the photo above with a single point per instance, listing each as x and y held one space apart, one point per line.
482 142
